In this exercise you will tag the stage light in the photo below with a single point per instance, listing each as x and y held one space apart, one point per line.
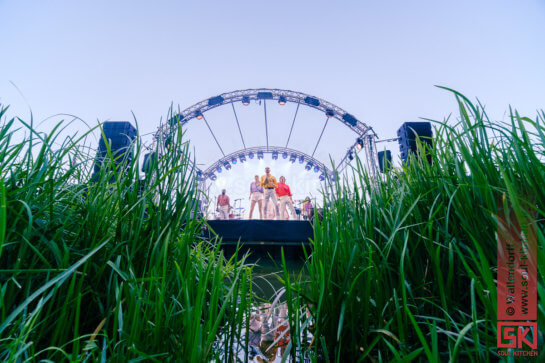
301 159
316 168
350 155
308 166
213 177
312 101
275 155
284 155
260 155
282 101
218 169
349 119
359 143
242 158
215 101
227 165
264 95
198 115
329 113
321 177
233 160
245 100
251 155
293 157
199 175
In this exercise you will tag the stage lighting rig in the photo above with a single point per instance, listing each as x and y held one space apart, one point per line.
293 157
359 143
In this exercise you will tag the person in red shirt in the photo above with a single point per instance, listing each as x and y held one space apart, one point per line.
224 205
284 194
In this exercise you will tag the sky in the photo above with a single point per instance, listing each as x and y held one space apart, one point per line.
380 61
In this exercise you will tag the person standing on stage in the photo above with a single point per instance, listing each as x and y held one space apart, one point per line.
224 205
268 182
256 195
284 193
269 212
307 208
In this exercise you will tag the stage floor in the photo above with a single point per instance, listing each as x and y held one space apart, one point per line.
263 231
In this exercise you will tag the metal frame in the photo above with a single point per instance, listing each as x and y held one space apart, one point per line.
189 113
361 129
265 150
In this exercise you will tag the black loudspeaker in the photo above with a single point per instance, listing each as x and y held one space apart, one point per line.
149 160
407 138
120 136
384 160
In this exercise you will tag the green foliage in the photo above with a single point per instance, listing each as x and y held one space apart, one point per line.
109 269
403 266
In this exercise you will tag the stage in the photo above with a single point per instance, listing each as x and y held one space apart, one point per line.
262 232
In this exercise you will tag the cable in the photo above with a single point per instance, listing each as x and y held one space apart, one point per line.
266 128
293 123
320 138
239 130
214 136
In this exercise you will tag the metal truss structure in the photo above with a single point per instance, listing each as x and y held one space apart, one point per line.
258 152
365 136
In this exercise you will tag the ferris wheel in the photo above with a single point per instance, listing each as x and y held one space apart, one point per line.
363 135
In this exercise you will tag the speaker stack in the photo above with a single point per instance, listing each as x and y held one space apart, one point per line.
384 161
149 160
407 135
120 136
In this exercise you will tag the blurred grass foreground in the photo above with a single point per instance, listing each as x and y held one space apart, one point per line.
402 267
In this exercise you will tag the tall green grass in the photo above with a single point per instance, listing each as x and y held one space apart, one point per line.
111 269
402 267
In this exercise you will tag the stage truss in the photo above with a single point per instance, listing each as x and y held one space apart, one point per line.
365 136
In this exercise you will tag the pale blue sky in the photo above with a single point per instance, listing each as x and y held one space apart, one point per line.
102 60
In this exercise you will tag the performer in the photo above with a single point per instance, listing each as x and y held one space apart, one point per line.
268 182
224 205
256 195
307 208
284 193
269 213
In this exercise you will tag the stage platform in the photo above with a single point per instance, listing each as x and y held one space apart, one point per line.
263 232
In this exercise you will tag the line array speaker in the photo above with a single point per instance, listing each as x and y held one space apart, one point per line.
407 135
384 160
120 136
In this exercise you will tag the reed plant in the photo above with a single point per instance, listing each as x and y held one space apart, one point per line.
112 266
115 266
403 266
